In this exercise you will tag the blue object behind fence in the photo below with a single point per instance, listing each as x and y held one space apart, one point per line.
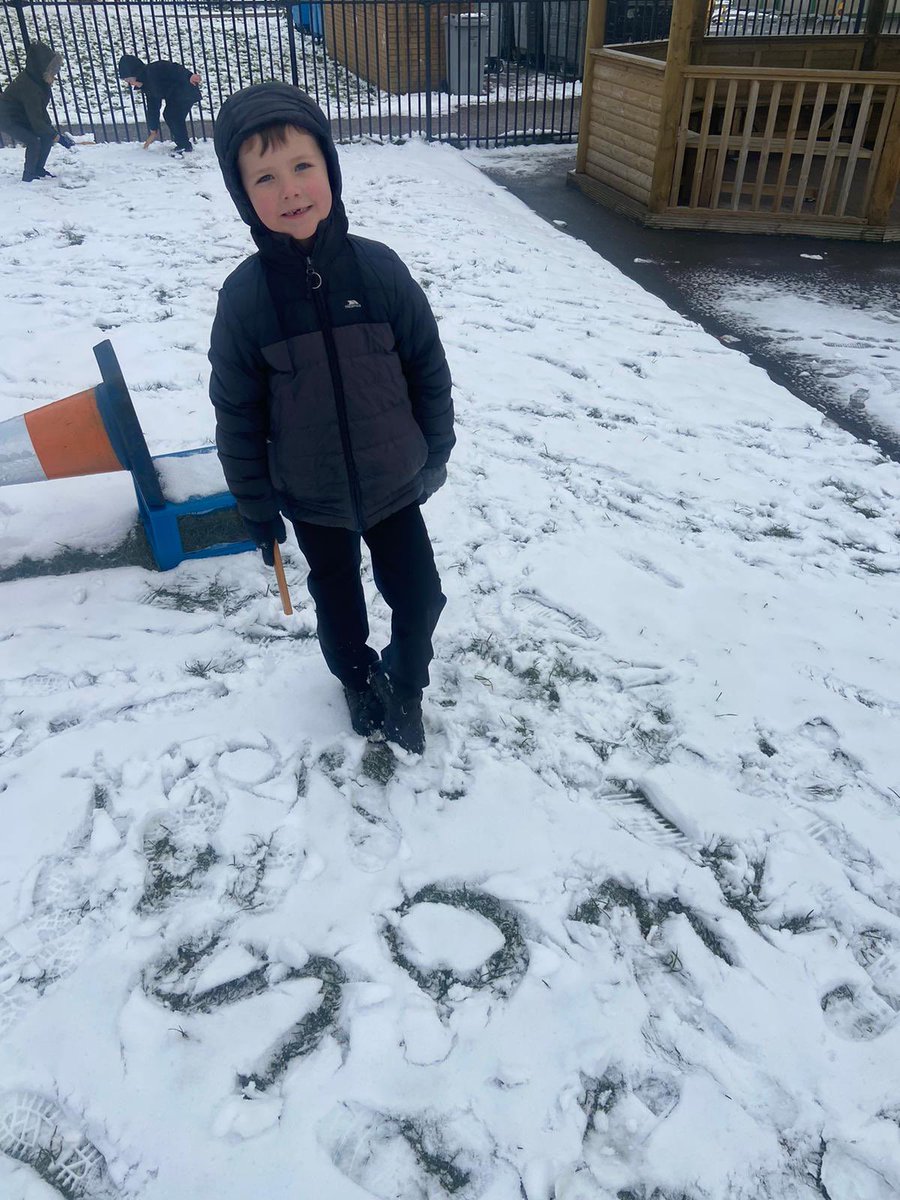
309 18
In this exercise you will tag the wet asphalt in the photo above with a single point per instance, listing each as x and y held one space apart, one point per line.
855 270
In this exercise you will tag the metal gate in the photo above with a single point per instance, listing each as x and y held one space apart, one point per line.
491 72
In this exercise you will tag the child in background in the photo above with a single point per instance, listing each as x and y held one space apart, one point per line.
23 110
163 83
333 404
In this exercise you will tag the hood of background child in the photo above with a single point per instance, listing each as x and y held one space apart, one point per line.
272 104
131 67
42 62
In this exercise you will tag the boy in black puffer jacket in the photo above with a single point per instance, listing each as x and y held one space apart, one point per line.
332 398
163 82
23 110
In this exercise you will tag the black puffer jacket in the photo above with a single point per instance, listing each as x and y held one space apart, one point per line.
25 100
161 82
331 398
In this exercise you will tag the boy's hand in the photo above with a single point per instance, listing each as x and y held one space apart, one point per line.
154 134
195 79
66 141
432 479
266 534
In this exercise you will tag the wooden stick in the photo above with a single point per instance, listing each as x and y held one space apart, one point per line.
151 139
286 605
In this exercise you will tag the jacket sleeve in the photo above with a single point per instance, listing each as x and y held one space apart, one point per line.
424 365
239 393
152 102
36 110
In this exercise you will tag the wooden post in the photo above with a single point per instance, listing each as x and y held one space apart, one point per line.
685 15
875 11
701 23
887 179
594 39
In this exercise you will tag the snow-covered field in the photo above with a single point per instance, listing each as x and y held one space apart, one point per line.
630 929
231 47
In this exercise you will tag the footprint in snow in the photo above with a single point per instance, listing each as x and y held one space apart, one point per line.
35 1130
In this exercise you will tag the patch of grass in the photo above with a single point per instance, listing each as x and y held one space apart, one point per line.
431 1157
249 875
649 914
742 896
303 1037
203 668
378 762
779 531
602 749
330 763
501 972
216 596
172 870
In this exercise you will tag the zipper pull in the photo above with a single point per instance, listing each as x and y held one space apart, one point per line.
313 278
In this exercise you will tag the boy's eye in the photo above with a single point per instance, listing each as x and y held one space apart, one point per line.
301 166
264 179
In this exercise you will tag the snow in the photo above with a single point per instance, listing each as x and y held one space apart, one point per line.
185 476
631 926
828 329
441 936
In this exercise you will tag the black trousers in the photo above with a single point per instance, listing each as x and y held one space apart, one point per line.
37 145
175 116
405 575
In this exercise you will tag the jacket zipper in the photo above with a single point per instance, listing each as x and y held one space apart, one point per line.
315 291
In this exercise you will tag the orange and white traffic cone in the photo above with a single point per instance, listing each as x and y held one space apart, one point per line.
62 439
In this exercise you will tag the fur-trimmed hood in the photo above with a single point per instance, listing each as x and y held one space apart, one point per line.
41 62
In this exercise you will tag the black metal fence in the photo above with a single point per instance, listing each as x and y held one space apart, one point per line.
494 72
490 71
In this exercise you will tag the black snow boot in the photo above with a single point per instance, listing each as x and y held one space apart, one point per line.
402 712
366 710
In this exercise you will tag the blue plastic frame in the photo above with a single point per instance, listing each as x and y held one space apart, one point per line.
161 523
159 515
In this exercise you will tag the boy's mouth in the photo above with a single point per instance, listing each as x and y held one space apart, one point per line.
298 212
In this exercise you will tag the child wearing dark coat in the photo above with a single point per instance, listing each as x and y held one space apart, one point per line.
23 110
161 83
333 402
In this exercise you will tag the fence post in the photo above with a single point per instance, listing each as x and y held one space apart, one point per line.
595 39
887 171
875 14
685 13
292 44
20 13
426 5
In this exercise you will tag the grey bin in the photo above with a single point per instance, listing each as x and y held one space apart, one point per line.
468 48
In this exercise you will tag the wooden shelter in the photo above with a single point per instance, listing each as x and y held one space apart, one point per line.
788 134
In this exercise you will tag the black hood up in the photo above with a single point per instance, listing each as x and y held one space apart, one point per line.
252 109
131 67
39 59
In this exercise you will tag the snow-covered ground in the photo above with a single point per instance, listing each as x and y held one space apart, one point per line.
630 930
830 332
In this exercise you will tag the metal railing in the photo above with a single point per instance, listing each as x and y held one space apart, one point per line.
489 71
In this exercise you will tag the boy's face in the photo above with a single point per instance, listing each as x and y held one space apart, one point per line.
288 186
132 82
